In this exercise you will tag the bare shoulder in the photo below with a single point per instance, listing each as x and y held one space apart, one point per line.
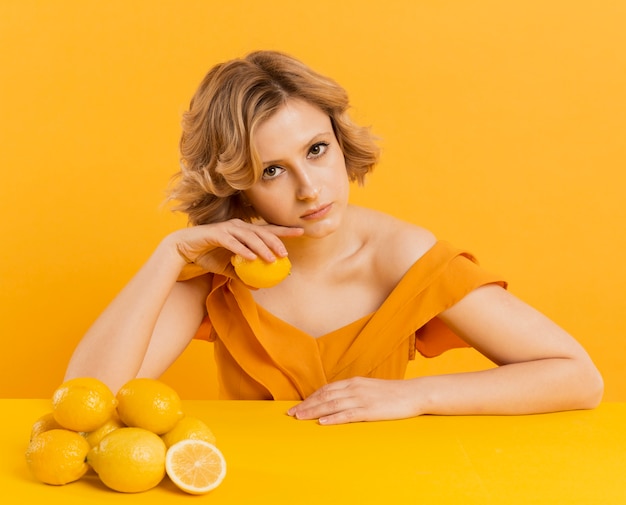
396 244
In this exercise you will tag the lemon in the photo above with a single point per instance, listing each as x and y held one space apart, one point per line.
129 460
257 273
57 456
195 466
83 404
44 423
189 427
149 404
94 437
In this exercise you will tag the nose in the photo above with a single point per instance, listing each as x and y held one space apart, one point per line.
307 188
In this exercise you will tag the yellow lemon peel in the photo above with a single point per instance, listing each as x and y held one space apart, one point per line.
258 273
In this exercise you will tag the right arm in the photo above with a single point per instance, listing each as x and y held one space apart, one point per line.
151 321
114 347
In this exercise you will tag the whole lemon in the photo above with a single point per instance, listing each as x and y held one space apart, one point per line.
129 460
149 404
44 423
94 437
189 427
83 404
57 456
257 273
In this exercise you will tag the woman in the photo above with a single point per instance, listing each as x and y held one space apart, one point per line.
268 153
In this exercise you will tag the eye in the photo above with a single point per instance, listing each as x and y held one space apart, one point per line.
271 172
318 150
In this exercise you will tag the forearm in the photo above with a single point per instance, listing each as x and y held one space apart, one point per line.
114 347
543 368
546 385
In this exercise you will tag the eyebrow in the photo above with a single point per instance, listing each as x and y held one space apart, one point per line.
308 144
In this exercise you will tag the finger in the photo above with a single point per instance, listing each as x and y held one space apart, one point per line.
314 398
268 246
256 246
263 240
324 410
325 401
247 240
284 231
239 245
355 415
340 414
319 396
271 235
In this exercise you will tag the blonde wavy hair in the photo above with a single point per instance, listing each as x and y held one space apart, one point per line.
218 160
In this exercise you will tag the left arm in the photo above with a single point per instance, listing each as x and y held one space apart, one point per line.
541 369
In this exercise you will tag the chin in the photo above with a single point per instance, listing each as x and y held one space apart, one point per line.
321 229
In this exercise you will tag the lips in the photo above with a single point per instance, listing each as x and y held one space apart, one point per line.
317 212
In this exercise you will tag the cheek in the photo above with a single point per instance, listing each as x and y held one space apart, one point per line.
268 206
255 195
342 179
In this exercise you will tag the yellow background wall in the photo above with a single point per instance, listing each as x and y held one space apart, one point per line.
503 125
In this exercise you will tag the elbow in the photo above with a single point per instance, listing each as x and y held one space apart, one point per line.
598 394
591 388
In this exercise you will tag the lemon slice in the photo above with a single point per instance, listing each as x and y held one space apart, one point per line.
195 466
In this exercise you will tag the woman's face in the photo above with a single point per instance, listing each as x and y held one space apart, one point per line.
304 183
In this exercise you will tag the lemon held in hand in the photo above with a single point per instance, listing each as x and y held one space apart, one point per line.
83 404
258 273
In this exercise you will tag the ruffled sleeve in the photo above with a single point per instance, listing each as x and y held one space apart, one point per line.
460 276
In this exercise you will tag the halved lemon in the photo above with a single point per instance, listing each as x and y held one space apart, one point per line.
195 466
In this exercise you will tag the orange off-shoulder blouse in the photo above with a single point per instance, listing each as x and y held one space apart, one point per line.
260 356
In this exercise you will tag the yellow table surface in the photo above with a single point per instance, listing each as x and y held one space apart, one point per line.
562 458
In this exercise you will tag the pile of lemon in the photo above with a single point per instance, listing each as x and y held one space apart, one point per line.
131 440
